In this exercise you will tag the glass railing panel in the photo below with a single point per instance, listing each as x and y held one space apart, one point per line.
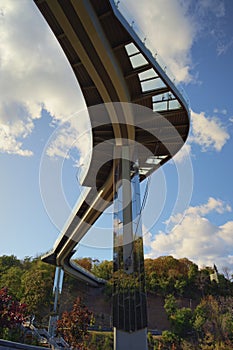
153 84
149 73
138 60
174 104
127 14
158 98
160 106
131 49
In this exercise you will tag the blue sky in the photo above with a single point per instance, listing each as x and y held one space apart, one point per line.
40 100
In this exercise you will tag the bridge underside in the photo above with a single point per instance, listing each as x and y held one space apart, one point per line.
131 102
113 67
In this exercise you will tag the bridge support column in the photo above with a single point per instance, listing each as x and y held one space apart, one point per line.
129 296
57 289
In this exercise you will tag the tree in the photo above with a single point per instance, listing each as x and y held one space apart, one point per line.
11 270
103 270
170 305
73 325
37 287
169 339
7 262
181 319
166 275
181 322
12 313
227 272
214 316
86 263
203 281
11 279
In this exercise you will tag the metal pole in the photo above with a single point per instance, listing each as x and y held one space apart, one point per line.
129 298
57 288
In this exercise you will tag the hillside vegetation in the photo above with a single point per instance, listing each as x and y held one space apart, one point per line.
207 324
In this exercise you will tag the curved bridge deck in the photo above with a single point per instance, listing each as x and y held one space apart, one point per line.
112 66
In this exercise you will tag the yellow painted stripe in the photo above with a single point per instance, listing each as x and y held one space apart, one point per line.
71 35
98 38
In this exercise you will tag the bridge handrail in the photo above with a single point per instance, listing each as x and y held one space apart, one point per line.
86 272
127 14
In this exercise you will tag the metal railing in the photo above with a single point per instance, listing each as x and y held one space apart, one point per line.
127 14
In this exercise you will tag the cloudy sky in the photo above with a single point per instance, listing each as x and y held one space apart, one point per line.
44 133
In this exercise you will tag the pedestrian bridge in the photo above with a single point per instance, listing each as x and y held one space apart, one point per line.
130 99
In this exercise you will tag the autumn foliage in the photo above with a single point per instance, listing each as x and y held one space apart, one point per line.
12 313
73 325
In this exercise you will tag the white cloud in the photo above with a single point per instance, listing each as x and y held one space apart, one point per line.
67 137
8 140
216 7
197 238
13 131
224 46
184 152
210 14
212 205
208 132
34 74
162 18
173 26
221 111
147 236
